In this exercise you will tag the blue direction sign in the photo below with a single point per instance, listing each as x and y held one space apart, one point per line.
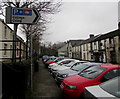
25 12
21 15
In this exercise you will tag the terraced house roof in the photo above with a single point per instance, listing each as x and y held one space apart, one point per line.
108 35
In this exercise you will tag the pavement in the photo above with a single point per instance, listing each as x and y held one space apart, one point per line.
44 85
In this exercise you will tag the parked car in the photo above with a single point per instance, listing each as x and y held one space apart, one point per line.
75 69
44 57
57 59
67 65
49 60
53 65
108 89
73 86
63 62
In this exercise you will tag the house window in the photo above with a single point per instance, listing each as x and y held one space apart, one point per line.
5 32
70 49
111 40
100 45
84 47
104 43
95 46
87 47
17 52
11 34
5 49
91 46
84 56
11 50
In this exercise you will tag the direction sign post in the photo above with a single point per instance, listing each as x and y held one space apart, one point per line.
14 43
18 16
21 16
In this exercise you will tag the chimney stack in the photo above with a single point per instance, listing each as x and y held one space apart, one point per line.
91 35
119 25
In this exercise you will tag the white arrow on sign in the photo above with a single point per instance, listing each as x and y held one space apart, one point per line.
23 16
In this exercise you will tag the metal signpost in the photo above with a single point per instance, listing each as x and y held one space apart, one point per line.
18 16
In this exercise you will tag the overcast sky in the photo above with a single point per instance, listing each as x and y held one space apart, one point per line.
79 19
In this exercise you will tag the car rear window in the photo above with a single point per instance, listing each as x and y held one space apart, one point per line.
112 86
70 64
92 72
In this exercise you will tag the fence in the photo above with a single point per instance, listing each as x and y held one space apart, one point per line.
15 80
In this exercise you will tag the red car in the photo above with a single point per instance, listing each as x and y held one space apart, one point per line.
73 86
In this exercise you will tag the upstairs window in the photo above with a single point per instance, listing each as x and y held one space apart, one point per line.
87 47
5 32
95 46
111 40
100 44
11 35
5 49
84 47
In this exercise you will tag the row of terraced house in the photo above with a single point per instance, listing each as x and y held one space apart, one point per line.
6 44
99 48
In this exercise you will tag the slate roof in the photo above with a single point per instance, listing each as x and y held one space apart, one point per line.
75 42
90 39
95 38
102 36
108 35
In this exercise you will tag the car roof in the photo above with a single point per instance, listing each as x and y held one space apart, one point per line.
110 65
84 61
76 60
91 63
68 59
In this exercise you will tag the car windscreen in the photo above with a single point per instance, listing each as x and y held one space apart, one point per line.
79 67
112 86
61 61
51 59
65 62
70 64
92 72
58 59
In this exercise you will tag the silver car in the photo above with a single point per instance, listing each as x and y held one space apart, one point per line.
75 69
109 89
